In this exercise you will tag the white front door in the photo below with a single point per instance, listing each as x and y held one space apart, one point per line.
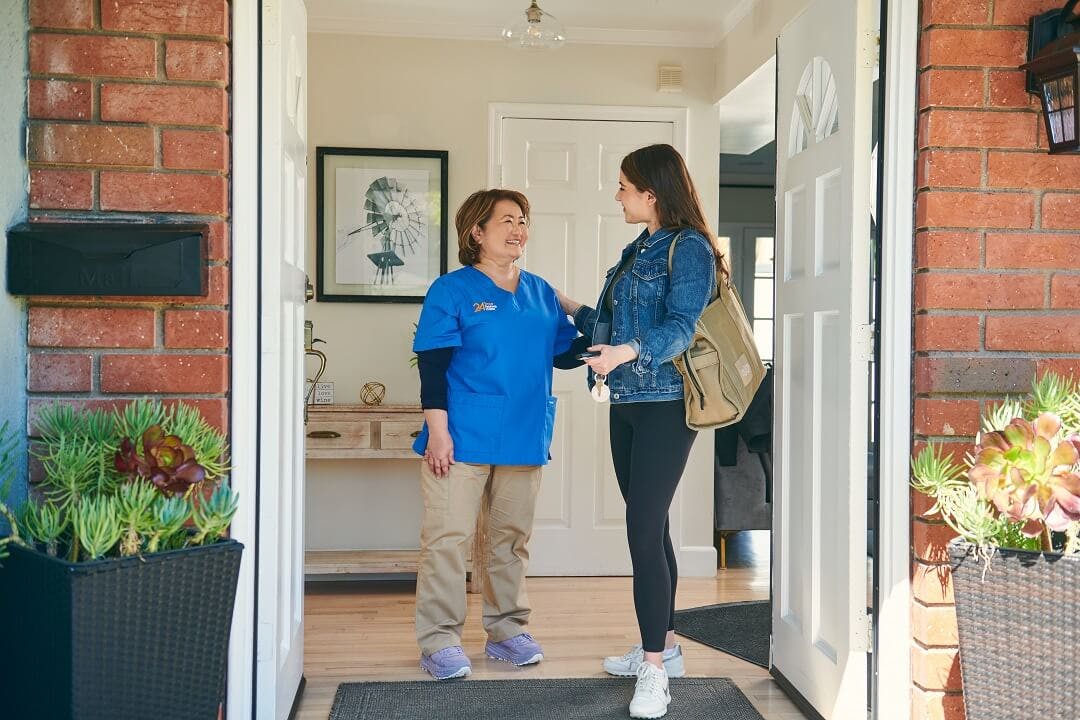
823 347
569 170
280 600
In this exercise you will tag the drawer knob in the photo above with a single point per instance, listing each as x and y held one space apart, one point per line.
414 434
324 434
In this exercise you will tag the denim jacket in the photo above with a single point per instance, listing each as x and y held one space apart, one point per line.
653 312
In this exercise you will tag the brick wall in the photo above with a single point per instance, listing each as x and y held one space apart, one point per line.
128 106
997 271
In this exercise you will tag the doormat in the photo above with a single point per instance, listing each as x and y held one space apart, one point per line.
740 629
525 699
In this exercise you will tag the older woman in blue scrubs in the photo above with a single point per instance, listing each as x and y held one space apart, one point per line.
486 341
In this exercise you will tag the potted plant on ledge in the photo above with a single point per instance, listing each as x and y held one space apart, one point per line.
117 592
1015 504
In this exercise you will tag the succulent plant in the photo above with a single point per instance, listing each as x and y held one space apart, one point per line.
212 515
166 462
1028 472
132 481
1020 486
7 479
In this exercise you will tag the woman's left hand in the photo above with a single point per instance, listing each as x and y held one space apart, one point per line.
611 357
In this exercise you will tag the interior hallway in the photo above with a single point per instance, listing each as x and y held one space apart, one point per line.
364 631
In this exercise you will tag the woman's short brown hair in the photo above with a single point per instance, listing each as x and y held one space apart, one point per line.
476 210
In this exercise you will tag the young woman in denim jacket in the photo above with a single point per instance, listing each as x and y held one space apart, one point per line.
644 318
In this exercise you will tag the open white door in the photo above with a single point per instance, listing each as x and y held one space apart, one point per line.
569 169
823 347
280 599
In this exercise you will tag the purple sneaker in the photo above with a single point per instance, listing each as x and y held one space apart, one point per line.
518 650
447 663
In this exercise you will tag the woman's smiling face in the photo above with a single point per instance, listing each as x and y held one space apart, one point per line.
504 236
639 206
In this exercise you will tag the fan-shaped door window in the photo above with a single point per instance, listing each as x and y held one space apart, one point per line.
816 113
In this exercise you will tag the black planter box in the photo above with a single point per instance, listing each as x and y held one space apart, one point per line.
1019 623
135 638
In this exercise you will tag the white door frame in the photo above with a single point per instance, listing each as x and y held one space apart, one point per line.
694 560
892 653
678 116
892 695
244 383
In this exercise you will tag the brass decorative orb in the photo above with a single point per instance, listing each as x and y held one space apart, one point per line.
373 393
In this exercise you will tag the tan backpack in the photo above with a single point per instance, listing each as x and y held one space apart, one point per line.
721 369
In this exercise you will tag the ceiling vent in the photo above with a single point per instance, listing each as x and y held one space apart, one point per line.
669 78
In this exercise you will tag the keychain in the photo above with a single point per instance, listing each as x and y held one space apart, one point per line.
600 391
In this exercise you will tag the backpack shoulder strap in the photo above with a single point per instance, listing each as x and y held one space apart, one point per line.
671 256
671 249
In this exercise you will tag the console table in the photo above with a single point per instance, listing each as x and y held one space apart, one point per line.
363 432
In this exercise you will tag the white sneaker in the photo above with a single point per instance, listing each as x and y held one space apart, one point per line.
627 665
651 695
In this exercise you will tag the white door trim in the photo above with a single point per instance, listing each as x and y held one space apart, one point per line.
678 116
892 696
694 560
244 405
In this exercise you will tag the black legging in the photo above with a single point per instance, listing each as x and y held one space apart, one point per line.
649 446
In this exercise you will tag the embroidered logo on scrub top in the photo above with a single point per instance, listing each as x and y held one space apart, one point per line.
484 307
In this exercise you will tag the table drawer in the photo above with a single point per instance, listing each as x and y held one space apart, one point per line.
399 434
338 435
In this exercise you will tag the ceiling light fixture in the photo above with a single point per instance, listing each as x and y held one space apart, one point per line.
537 30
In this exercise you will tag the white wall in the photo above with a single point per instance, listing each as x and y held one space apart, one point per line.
434 94
752 42
13 198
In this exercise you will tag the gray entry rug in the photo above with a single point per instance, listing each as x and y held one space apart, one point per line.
739 629
526 699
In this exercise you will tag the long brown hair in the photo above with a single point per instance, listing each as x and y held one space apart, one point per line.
476 210
661 170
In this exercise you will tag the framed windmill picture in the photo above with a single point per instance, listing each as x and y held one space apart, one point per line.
380 224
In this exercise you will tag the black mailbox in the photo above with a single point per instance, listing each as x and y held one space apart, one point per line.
106 259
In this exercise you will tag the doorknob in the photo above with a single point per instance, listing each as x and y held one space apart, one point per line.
309 291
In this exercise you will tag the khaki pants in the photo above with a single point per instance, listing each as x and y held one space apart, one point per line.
451 506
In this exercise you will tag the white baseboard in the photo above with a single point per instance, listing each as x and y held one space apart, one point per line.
697 561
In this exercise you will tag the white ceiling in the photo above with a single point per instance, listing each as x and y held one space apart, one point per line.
679 23
747 113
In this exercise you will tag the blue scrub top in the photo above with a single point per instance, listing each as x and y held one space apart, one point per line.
500 407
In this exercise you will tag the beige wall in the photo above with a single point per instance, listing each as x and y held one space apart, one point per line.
752 42
434 94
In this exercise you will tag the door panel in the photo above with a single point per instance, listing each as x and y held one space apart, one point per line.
820 635
280 627
569 169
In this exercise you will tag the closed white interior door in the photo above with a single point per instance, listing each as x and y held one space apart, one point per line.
569 170
820 632
280 601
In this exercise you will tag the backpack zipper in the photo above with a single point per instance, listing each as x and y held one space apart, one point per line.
692 374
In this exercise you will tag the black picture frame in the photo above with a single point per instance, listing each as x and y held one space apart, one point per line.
396 202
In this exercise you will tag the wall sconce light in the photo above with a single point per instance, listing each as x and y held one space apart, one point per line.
1053 69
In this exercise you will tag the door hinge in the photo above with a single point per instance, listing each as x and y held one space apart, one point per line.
498 175
271 30
864 632
863 339
869 47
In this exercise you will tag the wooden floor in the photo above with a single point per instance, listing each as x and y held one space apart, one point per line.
364 631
